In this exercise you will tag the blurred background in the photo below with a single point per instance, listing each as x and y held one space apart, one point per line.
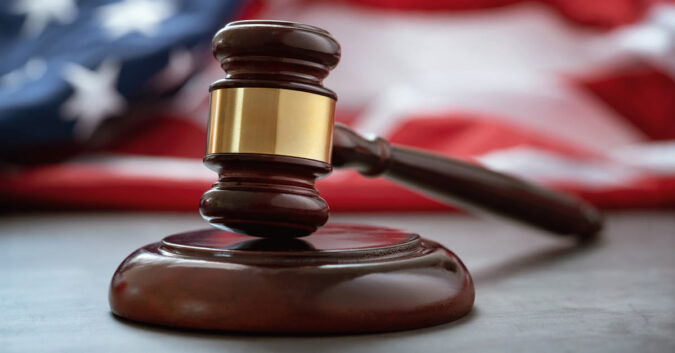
103 104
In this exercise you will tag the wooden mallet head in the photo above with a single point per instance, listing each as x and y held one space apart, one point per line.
270 128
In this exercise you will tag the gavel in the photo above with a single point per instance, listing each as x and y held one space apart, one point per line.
271 135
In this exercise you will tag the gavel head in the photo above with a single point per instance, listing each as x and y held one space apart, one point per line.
270 128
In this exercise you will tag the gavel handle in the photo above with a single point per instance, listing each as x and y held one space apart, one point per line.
469 186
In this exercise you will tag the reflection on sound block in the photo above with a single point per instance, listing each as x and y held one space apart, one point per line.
343 278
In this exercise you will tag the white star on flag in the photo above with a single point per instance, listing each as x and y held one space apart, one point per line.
143 16
95 97
40 12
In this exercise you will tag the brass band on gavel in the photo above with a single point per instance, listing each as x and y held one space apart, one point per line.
270 121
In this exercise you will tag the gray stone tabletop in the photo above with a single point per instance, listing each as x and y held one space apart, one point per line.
534 293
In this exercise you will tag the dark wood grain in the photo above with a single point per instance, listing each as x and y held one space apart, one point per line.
341 279
275 54
265 195
467 185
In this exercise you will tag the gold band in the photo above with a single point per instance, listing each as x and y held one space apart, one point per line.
270 121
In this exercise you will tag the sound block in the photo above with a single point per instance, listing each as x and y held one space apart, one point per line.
342 279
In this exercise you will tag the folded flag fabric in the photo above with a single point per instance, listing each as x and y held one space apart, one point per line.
104 104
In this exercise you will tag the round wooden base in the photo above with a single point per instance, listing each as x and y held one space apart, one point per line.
341 279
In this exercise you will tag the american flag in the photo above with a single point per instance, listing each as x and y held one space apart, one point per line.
103 104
